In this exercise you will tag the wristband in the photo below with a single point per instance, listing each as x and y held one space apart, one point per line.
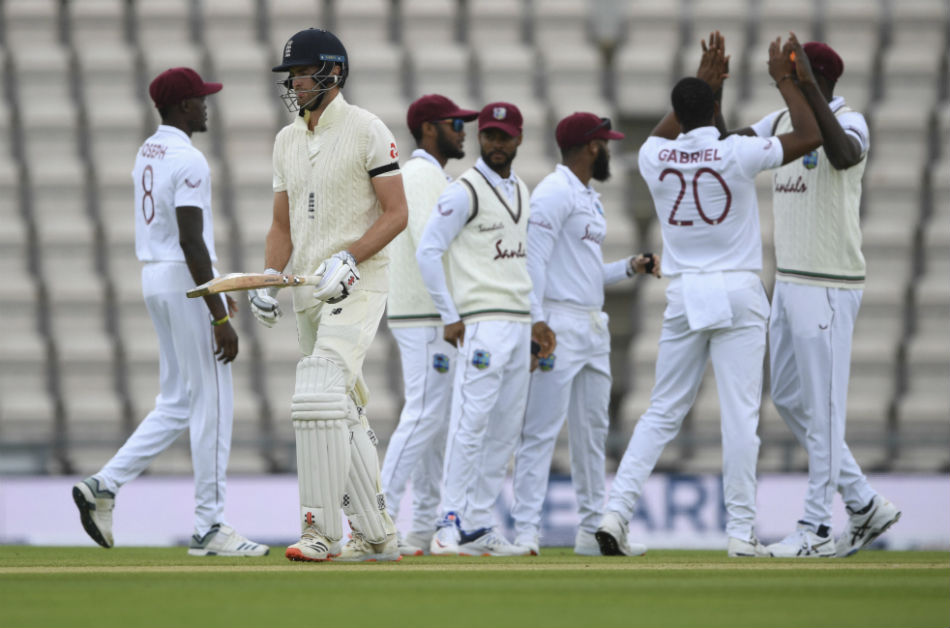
221 321
787 76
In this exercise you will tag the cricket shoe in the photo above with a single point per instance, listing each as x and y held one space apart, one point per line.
612 537
359 550
866 525
585 544
803 543
749 548
529 541
486 542
408 547
312 547
222 540
445 541
95 510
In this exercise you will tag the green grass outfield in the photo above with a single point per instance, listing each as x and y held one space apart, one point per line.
68 586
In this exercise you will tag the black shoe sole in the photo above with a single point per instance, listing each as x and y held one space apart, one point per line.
86 518
608 544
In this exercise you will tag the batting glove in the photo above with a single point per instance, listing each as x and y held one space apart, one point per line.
340 277
264 305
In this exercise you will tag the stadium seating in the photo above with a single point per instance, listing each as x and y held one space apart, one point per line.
78 357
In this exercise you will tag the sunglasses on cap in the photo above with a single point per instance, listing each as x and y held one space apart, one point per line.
457 123
604 124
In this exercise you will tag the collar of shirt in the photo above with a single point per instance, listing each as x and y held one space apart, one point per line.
333 111
836 103
509 185
700 132
174 130
586 191
424 154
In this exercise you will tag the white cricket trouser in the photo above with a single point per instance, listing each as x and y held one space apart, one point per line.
195 394
810 334
342 333
417 446
576 389
737 354
488 402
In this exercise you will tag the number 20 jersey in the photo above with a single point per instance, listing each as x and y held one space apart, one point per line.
169 172
703 190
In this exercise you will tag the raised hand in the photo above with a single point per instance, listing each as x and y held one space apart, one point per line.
780 63
801 63
714 63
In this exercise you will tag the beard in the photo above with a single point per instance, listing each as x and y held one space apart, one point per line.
445 146
498 166
600 169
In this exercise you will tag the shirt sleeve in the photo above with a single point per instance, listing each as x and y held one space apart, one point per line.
382 156
755 154
280 182
856 126
447 220
763 128
616 271
192 185
550 206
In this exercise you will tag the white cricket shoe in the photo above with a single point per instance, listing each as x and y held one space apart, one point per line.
222 540
359 550
866 525
487 542
445 541
312 547
803 543
749 548
407 546
95 510
530 541
612 537
585 544
419 541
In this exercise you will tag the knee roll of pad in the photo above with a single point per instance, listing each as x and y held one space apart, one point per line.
320 391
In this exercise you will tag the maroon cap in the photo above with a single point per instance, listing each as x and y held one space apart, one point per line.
500 115
582 127
432 107
824 60
177 84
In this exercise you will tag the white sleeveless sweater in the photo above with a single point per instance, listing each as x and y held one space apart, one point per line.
817 219
487 267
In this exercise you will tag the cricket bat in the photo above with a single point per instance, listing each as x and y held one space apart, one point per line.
249 281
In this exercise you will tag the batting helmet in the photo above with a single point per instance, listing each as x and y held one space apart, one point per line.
315 46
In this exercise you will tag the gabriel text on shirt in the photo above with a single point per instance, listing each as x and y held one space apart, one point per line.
682 157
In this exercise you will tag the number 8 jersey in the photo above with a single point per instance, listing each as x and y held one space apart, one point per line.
703 190
169 172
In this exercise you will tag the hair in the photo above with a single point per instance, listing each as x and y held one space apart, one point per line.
693 103
570 151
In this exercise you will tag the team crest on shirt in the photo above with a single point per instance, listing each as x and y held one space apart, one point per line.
810 160
481 359
546 364
499 113
440 362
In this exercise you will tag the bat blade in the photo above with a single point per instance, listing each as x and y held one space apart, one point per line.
250 281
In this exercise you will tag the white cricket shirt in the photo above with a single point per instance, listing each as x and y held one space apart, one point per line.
409 302
703 190
566 232
169 172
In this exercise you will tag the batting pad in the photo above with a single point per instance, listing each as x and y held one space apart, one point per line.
363 502
319 410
